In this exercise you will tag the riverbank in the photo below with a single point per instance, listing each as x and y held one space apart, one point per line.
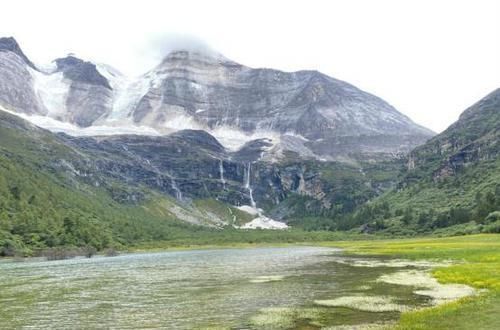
477 264
199 239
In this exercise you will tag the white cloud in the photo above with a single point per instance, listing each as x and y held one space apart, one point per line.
158 46
430 59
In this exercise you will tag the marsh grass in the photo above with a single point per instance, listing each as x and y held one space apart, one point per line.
365 303
286 317
429 286
478 265
266 279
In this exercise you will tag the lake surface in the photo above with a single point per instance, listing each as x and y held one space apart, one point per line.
261 288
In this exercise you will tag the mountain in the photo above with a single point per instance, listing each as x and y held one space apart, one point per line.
305 112
212 93
452 179
201 143
192 166
202 127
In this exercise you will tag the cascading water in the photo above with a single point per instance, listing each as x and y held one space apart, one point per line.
261 221
248 188
178 192
221 171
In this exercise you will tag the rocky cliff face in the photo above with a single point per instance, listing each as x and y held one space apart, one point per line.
452 179
73 91
16 83
475 137
191 165
11 45
89 95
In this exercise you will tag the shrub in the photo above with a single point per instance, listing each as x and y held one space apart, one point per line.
493 228
492 217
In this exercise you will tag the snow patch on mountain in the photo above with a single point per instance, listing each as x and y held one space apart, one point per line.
234 138
58 126
178 120
231 138
127 92
249 209
47 68
263 222
52 89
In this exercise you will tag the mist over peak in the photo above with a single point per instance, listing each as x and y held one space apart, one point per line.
162 46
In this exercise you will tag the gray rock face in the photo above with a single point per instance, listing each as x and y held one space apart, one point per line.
16 85
89 95
80 96
81 71
190 165
472 139
87 102
217 92
333 117
10 45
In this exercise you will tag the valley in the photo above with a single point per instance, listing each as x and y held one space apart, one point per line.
208 194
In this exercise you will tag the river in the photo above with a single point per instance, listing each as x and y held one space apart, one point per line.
258 288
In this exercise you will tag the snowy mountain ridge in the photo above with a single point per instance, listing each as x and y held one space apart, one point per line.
305 112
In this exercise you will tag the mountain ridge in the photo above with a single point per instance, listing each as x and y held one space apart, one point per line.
234 103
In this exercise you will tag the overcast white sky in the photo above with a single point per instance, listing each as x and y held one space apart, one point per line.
430 59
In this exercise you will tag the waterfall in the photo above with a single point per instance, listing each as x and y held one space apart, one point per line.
232 214
178 192
247 185
221 171
260 221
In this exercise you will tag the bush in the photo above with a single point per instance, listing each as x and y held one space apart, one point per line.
89 251
492 217
59 253
493 228
12 248
111 252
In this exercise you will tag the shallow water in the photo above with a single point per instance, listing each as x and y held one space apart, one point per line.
260 288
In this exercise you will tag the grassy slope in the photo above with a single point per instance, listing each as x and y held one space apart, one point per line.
480 267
